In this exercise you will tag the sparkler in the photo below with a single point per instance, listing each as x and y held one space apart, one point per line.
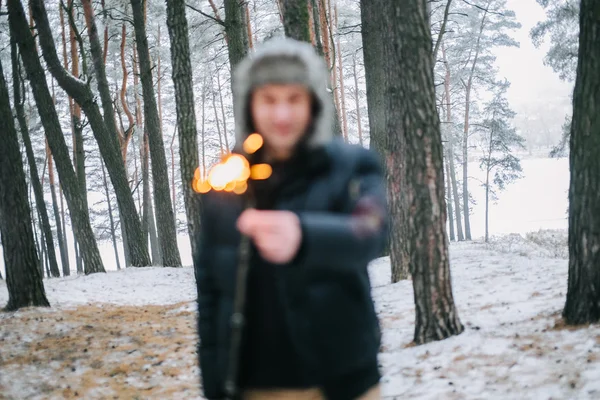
231 174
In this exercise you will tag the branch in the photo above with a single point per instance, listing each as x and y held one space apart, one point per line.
78 37
442 30
483 9
217 20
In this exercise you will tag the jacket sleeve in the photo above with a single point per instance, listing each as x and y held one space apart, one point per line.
207 309
347 240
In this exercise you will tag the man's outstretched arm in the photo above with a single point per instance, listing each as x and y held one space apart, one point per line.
335 240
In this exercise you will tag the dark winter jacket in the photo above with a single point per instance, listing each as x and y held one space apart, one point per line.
322 298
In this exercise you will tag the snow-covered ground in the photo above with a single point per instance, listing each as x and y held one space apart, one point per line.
131 333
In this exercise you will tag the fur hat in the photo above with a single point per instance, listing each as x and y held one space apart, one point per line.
284 60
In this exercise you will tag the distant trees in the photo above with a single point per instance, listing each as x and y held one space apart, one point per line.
498 139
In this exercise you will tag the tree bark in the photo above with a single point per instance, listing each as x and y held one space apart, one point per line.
103 127
295 19
35 179
237 36
583 297
167 237
450 210
62 237
186 114
373 33
414 151
23 278
49 117
113 234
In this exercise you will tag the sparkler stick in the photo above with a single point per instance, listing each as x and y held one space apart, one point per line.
231 175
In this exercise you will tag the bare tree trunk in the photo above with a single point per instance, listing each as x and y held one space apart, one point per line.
248 26
449 203
214 104
237 37
295 19
450 148
35 179
412 123
23 279
113 234
583 298
357 102
186 114
222 110
465 144
342 95
62 237
373 34
166 220
55 136
103 126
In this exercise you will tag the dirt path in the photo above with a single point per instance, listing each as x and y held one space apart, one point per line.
99 352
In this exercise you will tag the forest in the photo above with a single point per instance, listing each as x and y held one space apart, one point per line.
109 107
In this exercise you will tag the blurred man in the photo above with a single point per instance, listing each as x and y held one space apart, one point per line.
310 330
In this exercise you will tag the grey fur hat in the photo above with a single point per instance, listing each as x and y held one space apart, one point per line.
284 60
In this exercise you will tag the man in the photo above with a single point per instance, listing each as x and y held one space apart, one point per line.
310 329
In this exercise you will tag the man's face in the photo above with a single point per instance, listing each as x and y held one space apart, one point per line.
281 114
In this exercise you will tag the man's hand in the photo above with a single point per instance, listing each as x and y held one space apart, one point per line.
276 234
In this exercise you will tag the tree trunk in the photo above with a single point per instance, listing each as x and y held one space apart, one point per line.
465 144
450 210
450 148
583 298
62 237
165 218
237 37
49 117
222 110
186 114
214 104
373 33
23 278
295 20
35 179
113 234
487 204
342 92
248 25
357 102
103 127
415 152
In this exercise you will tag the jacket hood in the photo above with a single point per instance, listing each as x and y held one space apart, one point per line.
284 60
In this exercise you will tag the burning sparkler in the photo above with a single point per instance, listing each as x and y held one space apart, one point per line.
231 174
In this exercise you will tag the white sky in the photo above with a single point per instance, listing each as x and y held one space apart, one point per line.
531 81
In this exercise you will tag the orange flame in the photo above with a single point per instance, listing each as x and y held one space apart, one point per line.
233 172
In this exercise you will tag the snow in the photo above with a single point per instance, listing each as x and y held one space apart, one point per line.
131 333
509 295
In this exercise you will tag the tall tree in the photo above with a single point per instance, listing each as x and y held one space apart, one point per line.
103 127
186 114
583 298
37 79
236 34
167 237
35 179
499 139
296 19
414 142
373 35
23 278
